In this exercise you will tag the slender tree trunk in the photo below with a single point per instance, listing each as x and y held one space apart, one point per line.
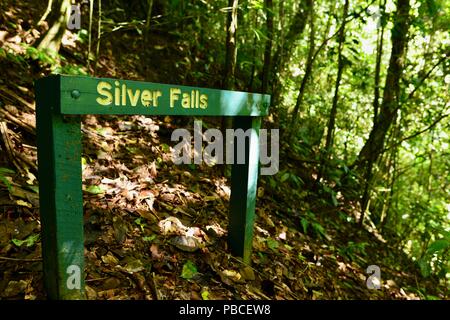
149 18
51 40
388 109
333 112
430 168
308 69
373 147
99 35
254 54
230 64
385 217
231 48
91 14
284 52
380 35
47 11
268 47
376 105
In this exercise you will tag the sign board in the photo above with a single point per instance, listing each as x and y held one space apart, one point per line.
61 99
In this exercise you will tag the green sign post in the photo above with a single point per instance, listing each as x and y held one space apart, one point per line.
60 102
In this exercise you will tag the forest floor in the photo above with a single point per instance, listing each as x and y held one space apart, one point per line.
140 208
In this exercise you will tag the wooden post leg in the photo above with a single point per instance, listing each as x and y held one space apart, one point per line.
61 199
243 190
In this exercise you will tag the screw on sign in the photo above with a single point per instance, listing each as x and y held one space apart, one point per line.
59 154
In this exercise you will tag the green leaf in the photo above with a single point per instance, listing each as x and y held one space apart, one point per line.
304 224
6 170
425 268
318 229
139 222
6 182
333 199
29 242
438 245
272 182
189 270
95 190
34 189
272 244
150 238
205 295
165 148
284 177
301 257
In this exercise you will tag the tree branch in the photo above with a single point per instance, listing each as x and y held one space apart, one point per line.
434 123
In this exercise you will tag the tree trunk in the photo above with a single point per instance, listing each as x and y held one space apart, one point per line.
268 47
333 112
308 69
373 147
388 109
254 55
231 48
380 34
284 51
51 40
230 65
376 106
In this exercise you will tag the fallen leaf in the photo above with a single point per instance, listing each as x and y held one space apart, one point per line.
15 288
231 275
29 242
205 295
186 243
155 253
94 190
91 294
171 225
111 283
134 265
189 270
247 273
110 259
23 203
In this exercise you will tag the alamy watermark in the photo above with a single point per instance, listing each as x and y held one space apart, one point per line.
374 280
74 15
234 142
73 281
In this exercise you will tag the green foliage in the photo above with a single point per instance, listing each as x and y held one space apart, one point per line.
332 195
436 258
291 178
4 172
141 224
272 244
310 223
40 55
189 270
150 238
93 189
11 57
352 250
70 69
28 242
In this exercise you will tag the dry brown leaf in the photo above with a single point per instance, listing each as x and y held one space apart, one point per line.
171 225
110 259
155 253
186 243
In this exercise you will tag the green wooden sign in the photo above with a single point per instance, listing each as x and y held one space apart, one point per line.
60 102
